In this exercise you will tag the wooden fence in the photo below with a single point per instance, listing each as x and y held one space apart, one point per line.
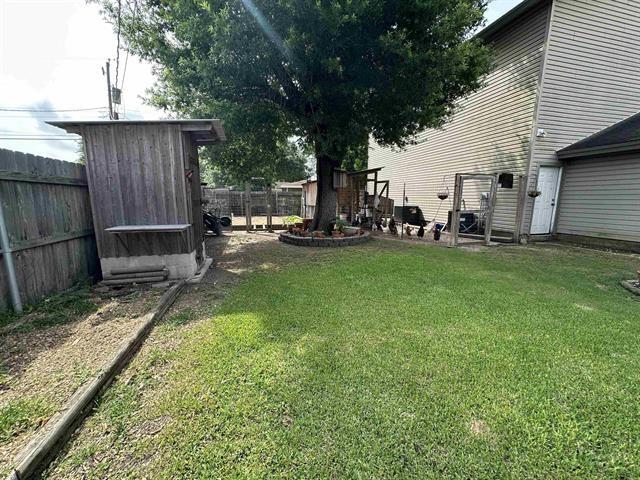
227 202
48 218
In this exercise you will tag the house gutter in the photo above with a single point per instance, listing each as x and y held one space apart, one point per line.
521 9
8 262
570 153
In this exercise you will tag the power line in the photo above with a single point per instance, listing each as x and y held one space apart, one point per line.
126 59
27 135
38 135
50 110
39 139
118 45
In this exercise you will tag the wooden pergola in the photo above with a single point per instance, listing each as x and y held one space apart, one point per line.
354 195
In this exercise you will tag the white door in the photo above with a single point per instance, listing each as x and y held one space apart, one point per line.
545 205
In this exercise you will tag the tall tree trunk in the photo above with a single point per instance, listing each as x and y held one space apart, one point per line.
327 196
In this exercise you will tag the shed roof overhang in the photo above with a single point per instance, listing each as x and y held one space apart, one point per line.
622 137
202 131
364 172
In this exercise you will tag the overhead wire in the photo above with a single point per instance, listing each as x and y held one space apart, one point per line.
126 59
38 139
118 41
47 110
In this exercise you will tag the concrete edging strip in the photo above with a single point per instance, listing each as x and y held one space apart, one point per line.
631 286
37 455
291 239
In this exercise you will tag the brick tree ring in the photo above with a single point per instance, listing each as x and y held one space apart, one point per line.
323 242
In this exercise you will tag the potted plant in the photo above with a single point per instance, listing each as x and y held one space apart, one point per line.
339 226
291 222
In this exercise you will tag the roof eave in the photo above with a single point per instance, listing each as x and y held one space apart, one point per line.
613 149
204 131
508 17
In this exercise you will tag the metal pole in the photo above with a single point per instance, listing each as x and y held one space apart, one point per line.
269 211
404 196
493 196
108 68
454 228
8 261
522 199
247 208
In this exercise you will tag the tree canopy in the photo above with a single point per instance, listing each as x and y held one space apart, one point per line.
333 73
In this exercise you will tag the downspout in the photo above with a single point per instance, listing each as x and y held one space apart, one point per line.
8 261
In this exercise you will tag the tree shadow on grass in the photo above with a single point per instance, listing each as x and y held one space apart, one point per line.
322 372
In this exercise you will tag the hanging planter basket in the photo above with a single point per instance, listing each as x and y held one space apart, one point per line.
534 193
443 193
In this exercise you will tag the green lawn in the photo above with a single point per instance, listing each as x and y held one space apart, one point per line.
397 361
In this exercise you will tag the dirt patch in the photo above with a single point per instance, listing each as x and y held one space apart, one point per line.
464 243
49 353
124 422
479 427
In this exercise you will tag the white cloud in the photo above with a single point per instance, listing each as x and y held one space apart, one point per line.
51 57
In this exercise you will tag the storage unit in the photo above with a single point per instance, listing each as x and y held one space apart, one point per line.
600 194
144 185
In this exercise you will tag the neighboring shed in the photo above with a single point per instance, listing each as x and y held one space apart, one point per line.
309 195
293 187
144 185
358 192
600 194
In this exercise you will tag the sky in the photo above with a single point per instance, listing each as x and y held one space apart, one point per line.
52 53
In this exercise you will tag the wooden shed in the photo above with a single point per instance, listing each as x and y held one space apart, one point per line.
144 185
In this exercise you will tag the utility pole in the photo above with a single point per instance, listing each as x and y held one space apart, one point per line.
107 72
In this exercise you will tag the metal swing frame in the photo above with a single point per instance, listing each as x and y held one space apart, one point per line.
457 204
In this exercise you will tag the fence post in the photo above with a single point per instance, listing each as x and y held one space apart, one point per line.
247 208
454 228
269 210
522 200
8 262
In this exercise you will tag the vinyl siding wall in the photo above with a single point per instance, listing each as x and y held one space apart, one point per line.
490 134
591 76
601 198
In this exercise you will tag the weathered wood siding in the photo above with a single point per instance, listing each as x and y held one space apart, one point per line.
591 75
601 198
491 132
48 215
136 175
